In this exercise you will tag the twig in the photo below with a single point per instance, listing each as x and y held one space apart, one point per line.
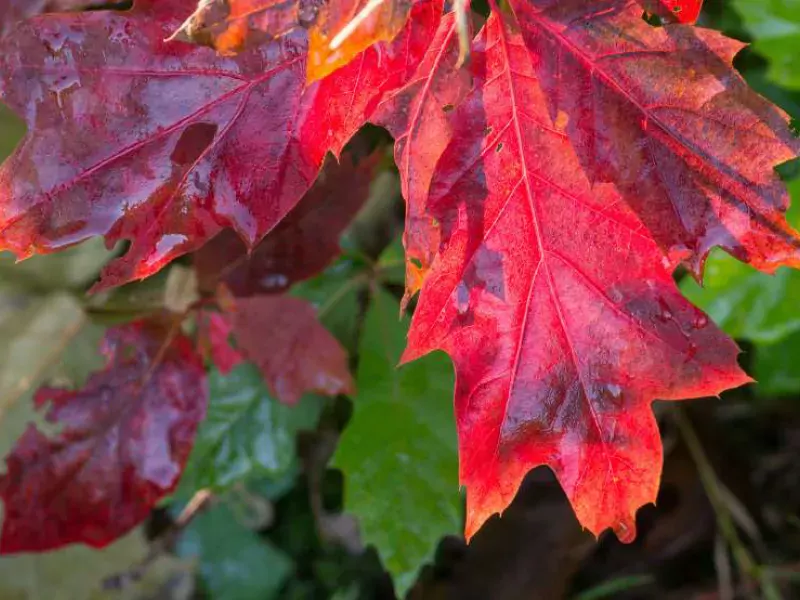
711 484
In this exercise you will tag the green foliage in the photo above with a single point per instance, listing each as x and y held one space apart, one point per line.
234 562
247 432
775 25
398 453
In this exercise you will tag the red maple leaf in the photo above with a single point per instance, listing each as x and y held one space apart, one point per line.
217 141
556 305
301 246
123 442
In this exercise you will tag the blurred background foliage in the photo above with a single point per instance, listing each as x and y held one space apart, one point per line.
357 498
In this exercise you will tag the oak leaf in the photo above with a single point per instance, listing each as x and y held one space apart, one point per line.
123 441
661 113
418 117
558 308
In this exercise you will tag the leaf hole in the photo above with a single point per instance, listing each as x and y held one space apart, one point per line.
194 140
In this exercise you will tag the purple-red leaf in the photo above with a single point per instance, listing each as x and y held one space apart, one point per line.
121 446
301 246
166 143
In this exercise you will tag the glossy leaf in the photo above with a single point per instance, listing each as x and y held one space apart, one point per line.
293 351
247 432
246 129
775 25
557 307
669 121
301 246
235 563
123 440
398 453
418 118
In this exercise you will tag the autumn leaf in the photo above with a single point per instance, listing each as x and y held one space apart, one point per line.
418 118
339 30
682 11
229 26
669 121
293 351
215 340
239 149
351 95
122 443
302 245
345 28
14 11
556 305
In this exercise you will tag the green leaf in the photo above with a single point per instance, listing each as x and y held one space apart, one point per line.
777 367
399 452
747 304
11 131
775 27
234 562
247 433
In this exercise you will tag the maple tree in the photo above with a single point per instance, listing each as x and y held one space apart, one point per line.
554 181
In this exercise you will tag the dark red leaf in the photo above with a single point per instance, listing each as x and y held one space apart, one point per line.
301 246
164 144
293 351
661 113
122 443
557 307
